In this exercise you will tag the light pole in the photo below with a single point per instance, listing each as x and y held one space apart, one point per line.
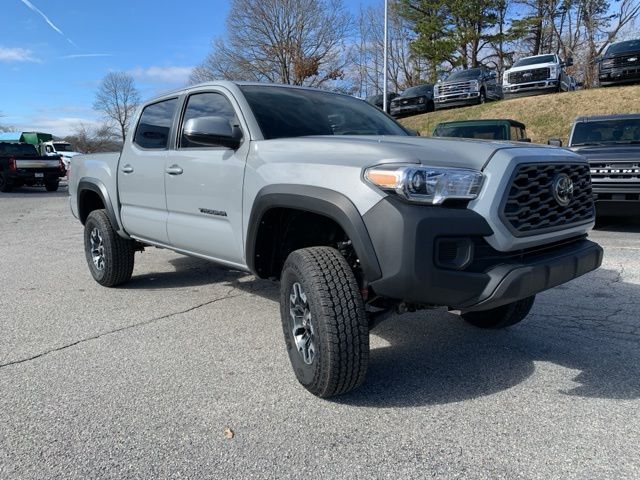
384 57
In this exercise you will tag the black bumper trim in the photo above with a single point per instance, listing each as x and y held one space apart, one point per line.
404 238
509 283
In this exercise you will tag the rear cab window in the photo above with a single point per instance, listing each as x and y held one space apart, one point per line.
154 125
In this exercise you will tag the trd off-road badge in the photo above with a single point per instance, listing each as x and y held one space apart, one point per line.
562 189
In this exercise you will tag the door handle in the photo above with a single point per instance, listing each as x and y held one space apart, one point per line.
174 170
127 169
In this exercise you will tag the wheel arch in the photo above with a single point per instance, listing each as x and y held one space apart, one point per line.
92 195
319 201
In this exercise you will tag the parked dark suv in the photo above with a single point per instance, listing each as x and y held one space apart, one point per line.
620 63
611 145
377 101
413 100
467 87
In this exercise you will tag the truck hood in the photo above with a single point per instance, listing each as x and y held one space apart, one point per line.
603 153
362 151
531 67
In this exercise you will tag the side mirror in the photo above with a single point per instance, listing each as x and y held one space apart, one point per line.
212 132
493 74
568 62
526 140
554 142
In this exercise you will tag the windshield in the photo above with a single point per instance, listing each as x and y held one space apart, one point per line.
535 60
465 74
419 90
284 112
606 132
482 132
624 47
63 147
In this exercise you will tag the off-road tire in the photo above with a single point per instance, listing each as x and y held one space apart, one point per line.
5 186
118 252
52 186
337 318
501 317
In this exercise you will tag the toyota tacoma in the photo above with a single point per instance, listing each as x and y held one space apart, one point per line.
355 217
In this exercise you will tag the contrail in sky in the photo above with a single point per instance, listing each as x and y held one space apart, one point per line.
35 9
88 55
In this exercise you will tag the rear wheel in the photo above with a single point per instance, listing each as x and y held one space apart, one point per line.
109 256
5 186
501 317
52 186
324 321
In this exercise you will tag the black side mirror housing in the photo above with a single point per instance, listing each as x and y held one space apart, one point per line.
213 132
554 142
568 62
526 140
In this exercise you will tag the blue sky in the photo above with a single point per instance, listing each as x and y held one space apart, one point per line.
53 53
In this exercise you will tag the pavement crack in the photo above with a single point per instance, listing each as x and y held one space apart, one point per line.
227 296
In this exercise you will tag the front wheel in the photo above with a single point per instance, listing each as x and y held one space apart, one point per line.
501 317
482 98
109 256
324 321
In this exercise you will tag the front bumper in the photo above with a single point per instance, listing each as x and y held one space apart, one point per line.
531 88
408 238
617 200
614 76
457 99
408 109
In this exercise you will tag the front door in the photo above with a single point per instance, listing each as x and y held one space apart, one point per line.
204 186
141 174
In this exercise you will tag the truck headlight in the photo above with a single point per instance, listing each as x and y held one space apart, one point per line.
553 72
430 185
473 85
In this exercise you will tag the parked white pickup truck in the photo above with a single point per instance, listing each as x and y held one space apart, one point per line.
537 75
353 215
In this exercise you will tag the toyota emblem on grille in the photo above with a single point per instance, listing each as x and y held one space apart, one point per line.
562 189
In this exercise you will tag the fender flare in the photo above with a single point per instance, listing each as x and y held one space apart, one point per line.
322 201
90 184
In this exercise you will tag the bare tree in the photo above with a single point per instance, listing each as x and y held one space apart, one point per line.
300 42
104 138
117 98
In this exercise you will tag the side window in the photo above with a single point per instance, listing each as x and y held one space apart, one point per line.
208 104
49 149
515 133
154 125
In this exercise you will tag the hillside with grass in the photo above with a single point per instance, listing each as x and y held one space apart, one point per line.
546 116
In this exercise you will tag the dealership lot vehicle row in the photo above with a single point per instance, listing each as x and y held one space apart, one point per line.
143 380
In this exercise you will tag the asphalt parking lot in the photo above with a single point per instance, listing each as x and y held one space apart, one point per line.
141 381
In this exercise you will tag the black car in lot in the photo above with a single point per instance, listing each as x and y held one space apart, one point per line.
377 100
620 63
20 164
611 145
413 100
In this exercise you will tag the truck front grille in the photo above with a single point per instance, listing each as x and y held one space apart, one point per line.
526 76
454 88
632 60
531 207
615 171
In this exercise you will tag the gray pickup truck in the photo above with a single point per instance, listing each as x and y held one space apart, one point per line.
354 216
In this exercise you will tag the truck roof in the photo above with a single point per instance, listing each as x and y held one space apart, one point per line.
514 123
604 118
230 84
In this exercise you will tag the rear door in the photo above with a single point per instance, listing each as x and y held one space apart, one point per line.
204 184
141 176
